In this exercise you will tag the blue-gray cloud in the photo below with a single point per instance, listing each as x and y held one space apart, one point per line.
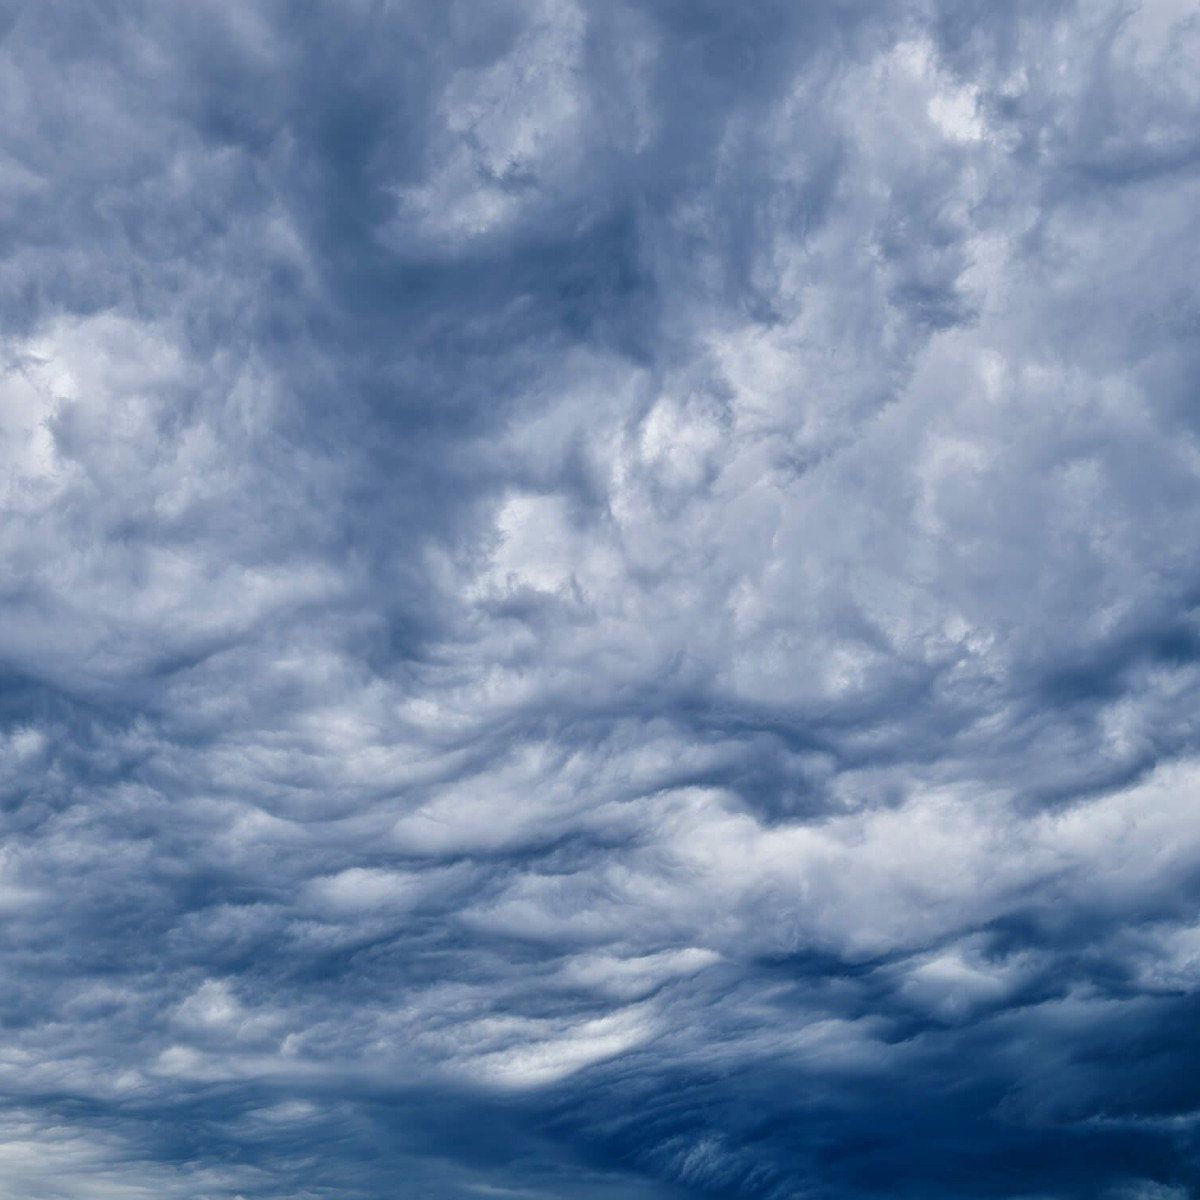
599 600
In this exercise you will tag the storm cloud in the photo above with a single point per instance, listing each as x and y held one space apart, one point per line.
599 599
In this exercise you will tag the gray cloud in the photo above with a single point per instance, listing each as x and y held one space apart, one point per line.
599 600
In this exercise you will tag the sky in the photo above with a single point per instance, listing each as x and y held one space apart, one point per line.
599 600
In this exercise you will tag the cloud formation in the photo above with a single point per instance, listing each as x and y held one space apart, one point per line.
600 599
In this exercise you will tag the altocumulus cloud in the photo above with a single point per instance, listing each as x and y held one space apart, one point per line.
600 599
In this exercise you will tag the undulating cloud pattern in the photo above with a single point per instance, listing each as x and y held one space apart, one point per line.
600 600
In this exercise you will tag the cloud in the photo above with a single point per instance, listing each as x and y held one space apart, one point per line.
599 600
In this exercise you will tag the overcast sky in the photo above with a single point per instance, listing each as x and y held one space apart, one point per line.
599 600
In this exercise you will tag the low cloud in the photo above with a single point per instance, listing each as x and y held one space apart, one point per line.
599 600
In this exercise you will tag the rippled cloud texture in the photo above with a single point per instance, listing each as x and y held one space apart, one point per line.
600 600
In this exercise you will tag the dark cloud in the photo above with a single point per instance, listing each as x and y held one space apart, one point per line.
599 600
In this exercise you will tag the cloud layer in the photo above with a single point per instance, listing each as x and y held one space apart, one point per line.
600 600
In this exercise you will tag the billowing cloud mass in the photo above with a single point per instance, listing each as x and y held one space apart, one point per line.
600 600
